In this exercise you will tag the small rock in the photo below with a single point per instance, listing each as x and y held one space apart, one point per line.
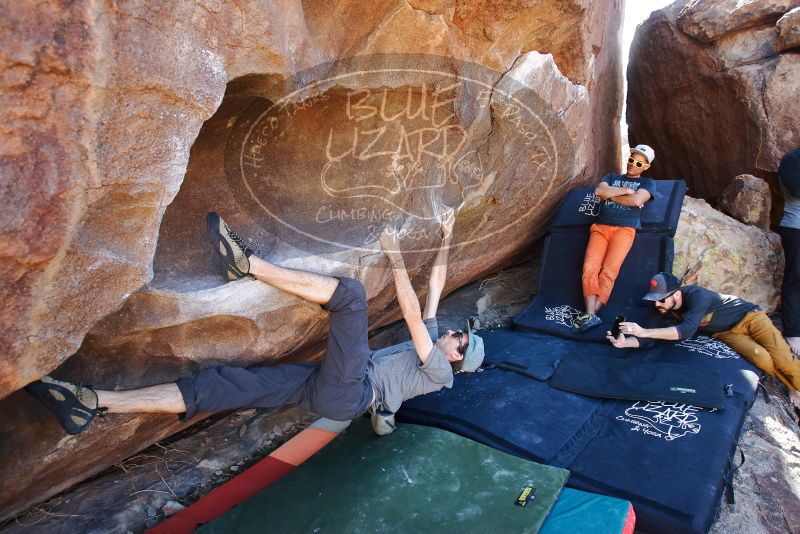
789 30
218 472
277 430
747 199
242 431
234 468
171 508
150 510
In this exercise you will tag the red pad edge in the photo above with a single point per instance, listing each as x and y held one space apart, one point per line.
630 521
225 497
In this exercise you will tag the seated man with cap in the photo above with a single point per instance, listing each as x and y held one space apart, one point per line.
611 237
739 324
350 380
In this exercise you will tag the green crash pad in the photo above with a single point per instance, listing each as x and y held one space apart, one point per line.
414 480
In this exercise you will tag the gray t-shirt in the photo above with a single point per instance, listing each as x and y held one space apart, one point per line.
397 374
791 211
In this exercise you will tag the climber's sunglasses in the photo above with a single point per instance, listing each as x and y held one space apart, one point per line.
637 163
462 349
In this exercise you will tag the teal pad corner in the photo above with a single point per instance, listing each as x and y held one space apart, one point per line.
417 479
579 511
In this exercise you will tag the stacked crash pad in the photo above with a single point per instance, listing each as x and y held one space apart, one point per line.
418 479
425 479
669 459
560 299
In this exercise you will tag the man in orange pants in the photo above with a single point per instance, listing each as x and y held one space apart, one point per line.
611 237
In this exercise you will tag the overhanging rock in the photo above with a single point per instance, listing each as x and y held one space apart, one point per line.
120 120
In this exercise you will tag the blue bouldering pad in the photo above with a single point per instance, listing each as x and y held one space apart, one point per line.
634 379
580 208
669 459
560 297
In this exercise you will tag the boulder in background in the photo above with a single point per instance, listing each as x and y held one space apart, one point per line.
714 94
747 199
717 252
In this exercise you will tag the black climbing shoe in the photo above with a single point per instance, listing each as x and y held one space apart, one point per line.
231 249
73 405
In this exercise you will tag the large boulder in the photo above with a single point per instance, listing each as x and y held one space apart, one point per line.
708 21
716 251
124 124
711 89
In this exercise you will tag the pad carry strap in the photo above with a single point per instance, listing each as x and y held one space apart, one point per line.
729 497
522 370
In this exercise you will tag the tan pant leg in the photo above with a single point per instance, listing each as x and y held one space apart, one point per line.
757 339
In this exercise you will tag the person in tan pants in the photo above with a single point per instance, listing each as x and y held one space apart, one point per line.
757 339
741 325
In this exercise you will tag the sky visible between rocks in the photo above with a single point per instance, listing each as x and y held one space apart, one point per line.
636 12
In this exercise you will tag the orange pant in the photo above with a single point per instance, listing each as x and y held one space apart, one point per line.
607 248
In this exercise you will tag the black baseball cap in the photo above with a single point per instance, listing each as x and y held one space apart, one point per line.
662 285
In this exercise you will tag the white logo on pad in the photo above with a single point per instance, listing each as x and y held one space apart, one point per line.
590 205
708 346
665 420
563 315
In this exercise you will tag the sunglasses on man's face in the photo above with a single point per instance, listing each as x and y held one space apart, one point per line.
462 349
664 300
636 163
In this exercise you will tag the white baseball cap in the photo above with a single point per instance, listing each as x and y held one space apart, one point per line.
645 151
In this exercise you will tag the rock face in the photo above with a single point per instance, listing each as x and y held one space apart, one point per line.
708 21
747 199
123 124
715 251
713 91
789 30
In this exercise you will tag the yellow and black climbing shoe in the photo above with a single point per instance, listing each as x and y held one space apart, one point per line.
232 251
74 405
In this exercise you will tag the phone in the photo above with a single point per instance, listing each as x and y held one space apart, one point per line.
615 328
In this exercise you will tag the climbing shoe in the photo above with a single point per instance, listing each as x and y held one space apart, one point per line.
73 405
585 321
232 251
